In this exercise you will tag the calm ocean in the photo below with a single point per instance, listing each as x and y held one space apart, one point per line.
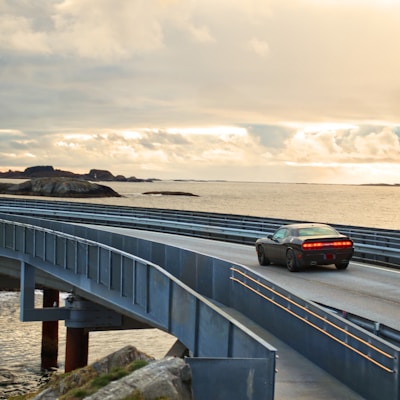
367 206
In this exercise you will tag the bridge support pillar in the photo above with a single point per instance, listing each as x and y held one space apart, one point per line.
77 348
49 352
84 316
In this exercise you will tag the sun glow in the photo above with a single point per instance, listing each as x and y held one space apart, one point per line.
213 131
131 135
328 127
78 136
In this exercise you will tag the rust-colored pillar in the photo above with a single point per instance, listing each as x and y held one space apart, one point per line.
49 352
76 349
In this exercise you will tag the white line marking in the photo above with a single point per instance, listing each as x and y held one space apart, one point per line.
395 271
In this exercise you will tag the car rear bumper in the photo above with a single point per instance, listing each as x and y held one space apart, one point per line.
325 257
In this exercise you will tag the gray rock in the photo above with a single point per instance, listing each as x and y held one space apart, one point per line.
167 378
48 394
119 358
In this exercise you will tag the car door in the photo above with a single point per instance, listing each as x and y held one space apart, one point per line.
276 248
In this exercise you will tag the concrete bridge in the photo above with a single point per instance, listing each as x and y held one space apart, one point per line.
219 311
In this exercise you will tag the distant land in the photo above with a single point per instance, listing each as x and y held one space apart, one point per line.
47 171
47 181
380 184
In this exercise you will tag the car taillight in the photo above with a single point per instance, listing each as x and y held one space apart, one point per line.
341 244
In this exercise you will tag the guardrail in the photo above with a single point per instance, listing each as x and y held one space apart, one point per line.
373 245
377 328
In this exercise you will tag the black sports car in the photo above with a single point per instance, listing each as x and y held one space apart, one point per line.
305 244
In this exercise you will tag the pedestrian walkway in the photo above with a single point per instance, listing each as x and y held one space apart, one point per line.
297 378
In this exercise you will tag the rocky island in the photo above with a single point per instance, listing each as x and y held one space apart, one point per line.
47 171
50 182
57 187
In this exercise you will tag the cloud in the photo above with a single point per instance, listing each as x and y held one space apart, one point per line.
96 29
175 153
16 34
382 146
100 29
335 146
182 60
140 86
271 136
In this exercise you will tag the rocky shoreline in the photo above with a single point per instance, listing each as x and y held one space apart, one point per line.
123 374
13 384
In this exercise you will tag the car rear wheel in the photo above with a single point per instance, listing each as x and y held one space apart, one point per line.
262 258
342 265
291 261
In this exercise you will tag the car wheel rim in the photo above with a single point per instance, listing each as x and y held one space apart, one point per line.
290 260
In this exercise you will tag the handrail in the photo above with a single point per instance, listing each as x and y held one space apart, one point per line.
370 346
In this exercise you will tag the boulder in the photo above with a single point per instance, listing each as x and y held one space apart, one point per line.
119 358
169 378
47 394
58 187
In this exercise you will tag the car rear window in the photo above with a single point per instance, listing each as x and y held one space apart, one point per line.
316 231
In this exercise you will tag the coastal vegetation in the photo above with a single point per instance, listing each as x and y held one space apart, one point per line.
85 381
127 374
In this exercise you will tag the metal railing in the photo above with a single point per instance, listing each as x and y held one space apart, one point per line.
377 328
378 246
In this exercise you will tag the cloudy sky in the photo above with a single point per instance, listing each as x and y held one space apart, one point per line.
250 90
